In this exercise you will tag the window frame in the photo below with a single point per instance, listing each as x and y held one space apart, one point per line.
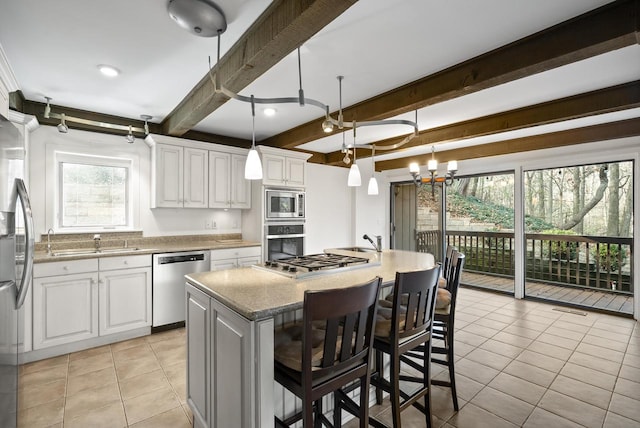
61 157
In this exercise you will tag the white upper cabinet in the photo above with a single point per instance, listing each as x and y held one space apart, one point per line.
283 167
196 170
227 186
180 177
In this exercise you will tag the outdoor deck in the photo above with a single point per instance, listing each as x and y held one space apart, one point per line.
588 299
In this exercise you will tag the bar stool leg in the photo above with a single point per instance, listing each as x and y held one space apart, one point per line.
380 369
395 385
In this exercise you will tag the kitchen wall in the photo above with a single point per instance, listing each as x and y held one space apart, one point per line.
156 222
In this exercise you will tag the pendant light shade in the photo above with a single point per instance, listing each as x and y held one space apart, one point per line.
373 183
373 186
253 167
354 179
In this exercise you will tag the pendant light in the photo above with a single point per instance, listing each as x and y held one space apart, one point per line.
253 167
354 179
373 183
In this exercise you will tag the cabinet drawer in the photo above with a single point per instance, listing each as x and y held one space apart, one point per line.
233 253
125 262
64 268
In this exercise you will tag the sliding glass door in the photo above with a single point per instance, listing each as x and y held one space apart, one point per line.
579 235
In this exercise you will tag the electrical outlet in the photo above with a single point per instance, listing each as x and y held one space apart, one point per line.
208 224
214 225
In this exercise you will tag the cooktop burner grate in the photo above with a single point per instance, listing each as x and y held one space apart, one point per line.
314 262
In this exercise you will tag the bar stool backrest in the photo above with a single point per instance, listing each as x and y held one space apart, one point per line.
347 316
418 290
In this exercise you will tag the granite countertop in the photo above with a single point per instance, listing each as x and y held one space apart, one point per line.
257 294
142 246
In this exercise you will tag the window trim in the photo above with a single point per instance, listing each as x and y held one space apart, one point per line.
98 159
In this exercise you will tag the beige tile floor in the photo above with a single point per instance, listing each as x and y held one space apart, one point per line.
136 383
519 363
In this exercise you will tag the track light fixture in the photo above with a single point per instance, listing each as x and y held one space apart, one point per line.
329 123
47 108
130 138
146 119
62 126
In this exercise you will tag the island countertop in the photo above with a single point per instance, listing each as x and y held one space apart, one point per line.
257 294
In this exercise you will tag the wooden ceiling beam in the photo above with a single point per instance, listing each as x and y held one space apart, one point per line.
588 134
616 98
284 26
610 27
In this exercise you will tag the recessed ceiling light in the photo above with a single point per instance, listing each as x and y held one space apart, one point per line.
269 111
108 70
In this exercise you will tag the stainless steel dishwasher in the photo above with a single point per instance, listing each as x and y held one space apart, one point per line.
169 270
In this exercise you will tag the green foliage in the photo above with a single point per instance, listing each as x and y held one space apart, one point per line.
488 212
559 250
607 257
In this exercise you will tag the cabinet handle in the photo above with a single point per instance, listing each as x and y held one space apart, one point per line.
65 268
126 262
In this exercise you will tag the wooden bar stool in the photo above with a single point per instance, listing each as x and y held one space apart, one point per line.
330 350
399 329
442 348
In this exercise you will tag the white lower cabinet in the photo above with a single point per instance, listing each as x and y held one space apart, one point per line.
65 309
230 258
220 358
83 299
125 300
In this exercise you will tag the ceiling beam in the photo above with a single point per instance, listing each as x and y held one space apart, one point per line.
610 27
284 26
615 98
588 134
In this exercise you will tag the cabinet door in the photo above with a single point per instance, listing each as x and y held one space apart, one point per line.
273 170
65 309
196 171
223 264
295 172
169 176
198 356
125 300
248 261
219 176
232 378
240 188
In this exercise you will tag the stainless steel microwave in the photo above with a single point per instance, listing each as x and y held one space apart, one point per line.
284 204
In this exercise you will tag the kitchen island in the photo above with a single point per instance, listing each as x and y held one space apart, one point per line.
231 316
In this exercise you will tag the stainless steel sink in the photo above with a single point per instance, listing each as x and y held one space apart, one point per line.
88 252
358 249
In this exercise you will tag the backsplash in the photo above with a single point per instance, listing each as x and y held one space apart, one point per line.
64 241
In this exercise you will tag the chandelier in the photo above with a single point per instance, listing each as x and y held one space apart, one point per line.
432 167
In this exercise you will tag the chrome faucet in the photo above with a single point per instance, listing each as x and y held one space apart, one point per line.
49 233
96 239
378 246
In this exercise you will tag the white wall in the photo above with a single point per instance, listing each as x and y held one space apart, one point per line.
329 208
156 222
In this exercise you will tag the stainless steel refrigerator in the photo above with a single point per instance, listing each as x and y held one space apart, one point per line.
16 264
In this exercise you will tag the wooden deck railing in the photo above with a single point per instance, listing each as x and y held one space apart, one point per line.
593 262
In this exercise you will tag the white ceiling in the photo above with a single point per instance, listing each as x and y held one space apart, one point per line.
54 48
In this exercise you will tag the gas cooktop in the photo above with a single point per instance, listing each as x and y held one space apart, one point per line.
314 264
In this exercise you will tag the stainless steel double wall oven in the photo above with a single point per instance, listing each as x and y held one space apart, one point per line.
285 215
